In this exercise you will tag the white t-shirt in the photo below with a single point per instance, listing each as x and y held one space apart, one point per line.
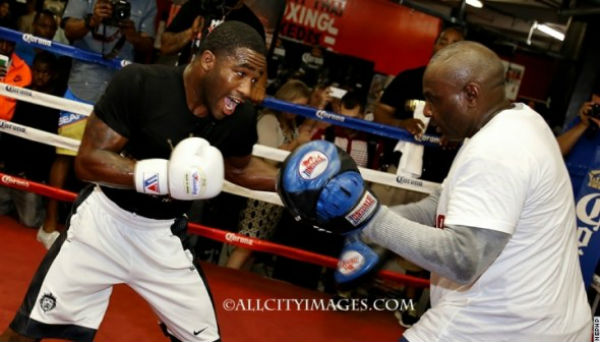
511 177
269 131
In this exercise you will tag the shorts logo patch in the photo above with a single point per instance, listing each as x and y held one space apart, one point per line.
47 302
197 332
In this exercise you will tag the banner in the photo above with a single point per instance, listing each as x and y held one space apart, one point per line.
588 220
394 37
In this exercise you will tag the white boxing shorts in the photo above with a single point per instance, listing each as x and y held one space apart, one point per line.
106 245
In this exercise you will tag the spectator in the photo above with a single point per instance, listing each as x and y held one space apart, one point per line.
357 144
392 110
44 26
25 22
197 18
581 140
90 26
320 98
30 159
275 129
6 15
13 71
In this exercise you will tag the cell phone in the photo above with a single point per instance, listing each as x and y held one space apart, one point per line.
336 92
4 63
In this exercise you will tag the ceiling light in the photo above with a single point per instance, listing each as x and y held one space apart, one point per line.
554 33
475 3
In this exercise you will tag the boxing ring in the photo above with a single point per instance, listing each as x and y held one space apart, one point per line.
225 283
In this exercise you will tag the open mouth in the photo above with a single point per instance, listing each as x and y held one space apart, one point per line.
230 104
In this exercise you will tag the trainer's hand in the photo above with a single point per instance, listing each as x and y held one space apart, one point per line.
194 171
320 184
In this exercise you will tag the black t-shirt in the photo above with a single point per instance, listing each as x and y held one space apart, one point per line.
408 85
191 9
30 159
147 105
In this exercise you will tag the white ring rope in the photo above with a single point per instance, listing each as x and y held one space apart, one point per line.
266 152
46 100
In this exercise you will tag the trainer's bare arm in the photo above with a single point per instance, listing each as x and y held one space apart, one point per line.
98 160
251 172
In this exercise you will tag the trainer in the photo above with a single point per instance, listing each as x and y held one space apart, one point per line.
125 230
499 238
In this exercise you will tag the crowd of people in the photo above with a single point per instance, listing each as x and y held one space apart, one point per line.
134 146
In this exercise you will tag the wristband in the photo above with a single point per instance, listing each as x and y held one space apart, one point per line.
151 176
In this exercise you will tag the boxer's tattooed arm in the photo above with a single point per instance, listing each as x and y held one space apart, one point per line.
458 253
98 159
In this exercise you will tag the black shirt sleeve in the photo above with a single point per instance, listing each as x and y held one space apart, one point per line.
185 17
119 105
389 96
243 133
407 85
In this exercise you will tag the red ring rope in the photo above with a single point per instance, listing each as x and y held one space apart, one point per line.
219 235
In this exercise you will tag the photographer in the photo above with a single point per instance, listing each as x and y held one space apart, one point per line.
115 18
197 18
581 140
116 29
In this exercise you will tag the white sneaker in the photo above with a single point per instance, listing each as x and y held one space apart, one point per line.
47 239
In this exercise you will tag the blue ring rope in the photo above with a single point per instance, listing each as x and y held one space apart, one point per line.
346 121
61 49
269 102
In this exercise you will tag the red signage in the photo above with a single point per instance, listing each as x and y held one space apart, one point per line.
393 36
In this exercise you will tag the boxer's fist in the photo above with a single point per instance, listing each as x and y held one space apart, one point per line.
194 171
320 184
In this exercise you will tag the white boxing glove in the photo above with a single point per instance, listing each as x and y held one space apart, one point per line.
196 170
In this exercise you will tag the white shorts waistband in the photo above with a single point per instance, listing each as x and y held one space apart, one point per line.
136 221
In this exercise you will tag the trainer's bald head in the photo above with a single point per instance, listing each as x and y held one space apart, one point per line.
464 87
467 61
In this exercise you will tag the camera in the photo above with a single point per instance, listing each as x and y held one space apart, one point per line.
594 111
121 10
